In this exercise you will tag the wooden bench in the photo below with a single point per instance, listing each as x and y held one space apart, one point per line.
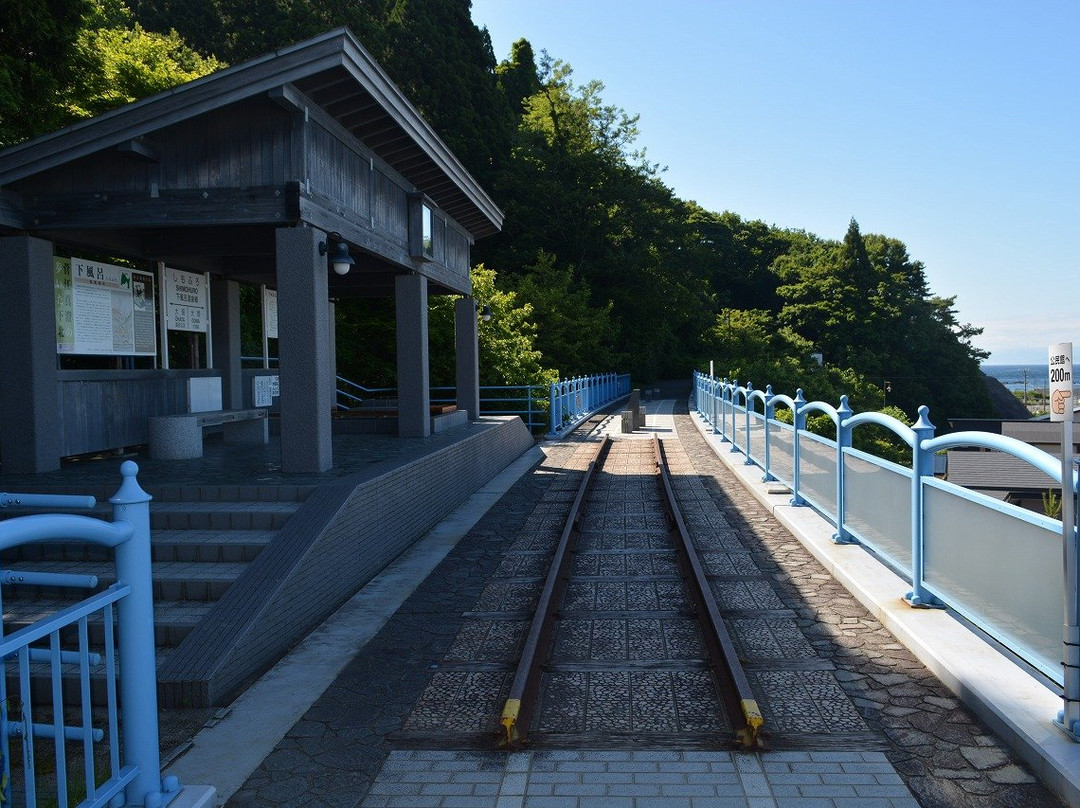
180 436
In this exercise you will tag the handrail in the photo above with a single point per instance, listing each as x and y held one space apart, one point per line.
720 402
134 771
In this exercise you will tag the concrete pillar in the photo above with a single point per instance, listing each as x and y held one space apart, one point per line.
414 387
225 327
304 351
30 427
468 357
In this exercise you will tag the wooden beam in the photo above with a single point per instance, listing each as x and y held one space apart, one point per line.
320 213
141 147
11 209
170 208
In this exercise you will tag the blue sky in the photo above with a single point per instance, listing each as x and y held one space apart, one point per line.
952 125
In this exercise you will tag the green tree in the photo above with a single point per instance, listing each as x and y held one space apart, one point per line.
37 48
508 355
117 62
573 335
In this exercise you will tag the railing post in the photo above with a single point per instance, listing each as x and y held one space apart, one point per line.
725 393
734 415
922 465
135 616
843 441
747 404
769 412
553 410
716 390
800 424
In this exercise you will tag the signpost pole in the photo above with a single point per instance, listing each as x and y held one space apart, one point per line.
163 316
1061 409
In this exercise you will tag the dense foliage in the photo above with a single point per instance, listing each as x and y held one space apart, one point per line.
599 265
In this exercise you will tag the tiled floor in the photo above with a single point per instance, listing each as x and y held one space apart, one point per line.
637 779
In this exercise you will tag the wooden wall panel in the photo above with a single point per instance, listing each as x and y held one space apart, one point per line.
103 410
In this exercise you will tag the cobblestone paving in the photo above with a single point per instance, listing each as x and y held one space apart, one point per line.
942 751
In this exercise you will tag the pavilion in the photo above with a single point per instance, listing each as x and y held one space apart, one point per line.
250 175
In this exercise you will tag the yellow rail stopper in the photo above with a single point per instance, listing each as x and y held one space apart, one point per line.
509 720
754 722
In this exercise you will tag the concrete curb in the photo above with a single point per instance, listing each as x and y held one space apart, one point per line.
1012 702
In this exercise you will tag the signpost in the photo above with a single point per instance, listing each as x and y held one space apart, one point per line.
1061 409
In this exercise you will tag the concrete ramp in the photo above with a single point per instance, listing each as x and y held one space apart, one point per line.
342 536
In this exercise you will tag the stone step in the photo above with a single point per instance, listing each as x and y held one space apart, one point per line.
200 515
221 515
70 681
166 545
173 580
172 620
183 493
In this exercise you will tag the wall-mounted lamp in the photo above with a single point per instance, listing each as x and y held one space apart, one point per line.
340 260
485 314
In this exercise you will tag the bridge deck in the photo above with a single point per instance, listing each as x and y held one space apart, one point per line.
920 746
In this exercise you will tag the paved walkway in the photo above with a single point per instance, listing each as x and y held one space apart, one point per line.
637 779
341 751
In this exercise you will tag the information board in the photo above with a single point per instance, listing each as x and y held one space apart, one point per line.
265 390
96 309
270 313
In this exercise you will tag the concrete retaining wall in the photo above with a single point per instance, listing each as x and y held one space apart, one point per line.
344 534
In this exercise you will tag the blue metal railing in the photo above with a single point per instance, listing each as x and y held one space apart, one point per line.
557 407
134 766
996 564
573 400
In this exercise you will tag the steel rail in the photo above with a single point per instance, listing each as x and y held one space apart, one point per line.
724 657
517 712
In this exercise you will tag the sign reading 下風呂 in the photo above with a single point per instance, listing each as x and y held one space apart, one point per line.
1061 381
186 301
103 309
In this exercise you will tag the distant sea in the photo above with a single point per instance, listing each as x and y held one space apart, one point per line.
1012 376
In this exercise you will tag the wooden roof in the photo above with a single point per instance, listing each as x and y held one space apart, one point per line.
333 70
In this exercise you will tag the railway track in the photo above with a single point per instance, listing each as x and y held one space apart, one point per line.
627 640
623 645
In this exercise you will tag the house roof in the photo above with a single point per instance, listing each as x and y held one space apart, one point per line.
335 72
990 471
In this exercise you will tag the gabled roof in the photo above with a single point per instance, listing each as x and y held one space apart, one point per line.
333 70
995 471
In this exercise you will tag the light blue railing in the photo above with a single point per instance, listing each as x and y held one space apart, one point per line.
125 611
557 407
573 400
996 564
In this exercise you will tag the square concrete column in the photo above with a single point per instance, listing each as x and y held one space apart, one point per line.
304 350
414 386
30 426
225 326
468 357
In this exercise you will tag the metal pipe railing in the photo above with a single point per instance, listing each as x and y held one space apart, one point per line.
825 471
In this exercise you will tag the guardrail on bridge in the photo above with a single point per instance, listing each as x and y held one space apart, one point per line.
997 565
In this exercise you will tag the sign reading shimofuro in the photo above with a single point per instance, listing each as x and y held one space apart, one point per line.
186 301
1061 381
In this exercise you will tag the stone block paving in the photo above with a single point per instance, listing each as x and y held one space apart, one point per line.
940 749
347 751
637 779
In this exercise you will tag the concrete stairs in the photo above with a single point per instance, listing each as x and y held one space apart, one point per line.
202 539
